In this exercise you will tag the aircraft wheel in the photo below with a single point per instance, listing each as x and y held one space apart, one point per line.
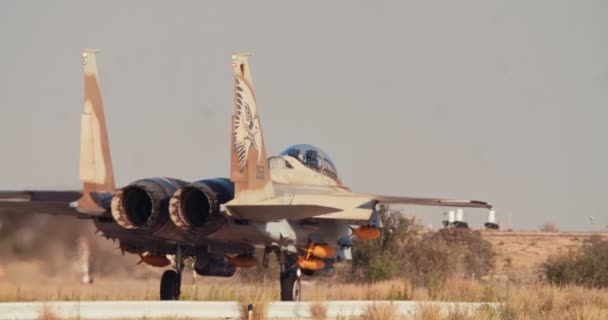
170 284
291 288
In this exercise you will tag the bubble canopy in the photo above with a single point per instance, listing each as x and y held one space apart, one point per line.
313 158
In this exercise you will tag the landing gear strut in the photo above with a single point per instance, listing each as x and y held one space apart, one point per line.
171 281
291 288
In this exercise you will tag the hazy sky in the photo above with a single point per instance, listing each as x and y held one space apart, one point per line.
499 101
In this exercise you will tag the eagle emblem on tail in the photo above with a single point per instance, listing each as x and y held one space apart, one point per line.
247 133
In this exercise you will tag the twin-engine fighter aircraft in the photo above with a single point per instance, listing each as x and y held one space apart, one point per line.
293 205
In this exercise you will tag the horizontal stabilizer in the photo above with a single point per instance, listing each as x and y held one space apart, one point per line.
47 202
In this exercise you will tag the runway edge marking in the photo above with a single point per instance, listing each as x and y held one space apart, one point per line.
205 309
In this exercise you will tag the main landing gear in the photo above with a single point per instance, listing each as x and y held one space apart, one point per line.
289 275
170 285
291 287
171 281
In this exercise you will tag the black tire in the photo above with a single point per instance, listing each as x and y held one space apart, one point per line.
291 287
170 285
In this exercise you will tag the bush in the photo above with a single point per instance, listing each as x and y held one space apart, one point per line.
587 266
375 260
381 268
425 258
549 227
474 255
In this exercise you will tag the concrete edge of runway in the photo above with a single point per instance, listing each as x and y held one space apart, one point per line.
205 309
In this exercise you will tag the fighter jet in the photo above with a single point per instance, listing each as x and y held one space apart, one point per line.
292 205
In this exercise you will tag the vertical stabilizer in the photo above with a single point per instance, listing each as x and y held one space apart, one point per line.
95 163
249 163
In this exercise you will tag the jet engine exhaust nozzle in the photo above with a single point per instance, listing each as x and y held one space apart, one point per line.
196 207
143 204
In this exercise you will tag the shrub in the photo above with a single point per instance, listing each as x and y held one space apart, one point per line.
549 227
376 260
587 266
426 259
381 268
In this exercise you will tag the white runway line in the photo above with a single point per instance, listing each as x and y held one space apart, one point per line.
201 309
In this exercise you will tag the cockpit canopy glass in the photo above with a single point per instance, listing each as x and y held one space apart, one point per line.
313 158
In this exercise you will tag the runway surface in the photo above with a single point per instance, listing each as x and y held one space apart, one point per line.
199 309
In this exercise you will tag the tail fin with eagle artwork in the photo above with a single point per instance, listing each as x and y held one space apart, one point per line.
249 163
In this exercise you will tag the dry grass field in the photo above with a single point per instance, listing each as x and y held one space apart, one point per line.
521 253
34 269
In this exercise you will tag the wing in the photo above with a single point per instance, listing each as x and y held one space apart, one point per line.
432 202
339 206
49 202
95 163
